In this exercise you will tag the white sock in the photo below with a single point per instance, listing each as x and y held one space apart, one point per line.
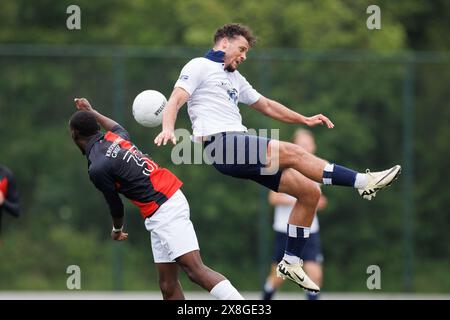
291 259
224 290
327 172
360 181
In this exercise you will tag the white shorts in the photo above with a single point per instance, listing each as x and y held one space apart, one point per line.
171 231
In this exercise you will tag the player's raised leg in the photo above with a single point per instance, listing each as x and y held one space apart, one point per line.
295 184
319 170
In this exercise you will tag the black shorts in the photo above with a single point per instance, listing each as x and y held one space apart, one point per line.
241 155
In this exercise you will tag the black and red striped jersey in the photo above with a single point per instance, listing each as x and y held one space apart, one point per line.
116 165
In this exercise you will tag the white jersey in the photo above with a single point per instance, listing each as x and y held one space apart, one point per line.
214 96
281 218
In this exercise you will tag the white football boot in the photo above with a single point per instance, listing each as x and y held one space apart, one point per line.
294 272
379 180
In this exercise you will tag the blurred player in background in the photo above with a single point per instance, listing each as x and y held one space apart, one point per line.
9 194
116 166
312 255
212 87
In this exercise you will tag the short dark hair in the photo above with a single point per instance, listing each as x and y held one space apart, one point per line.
231 30
85 123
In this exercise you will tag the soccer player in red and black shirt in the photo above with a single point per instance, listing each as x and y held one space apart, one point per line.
9 195
116 166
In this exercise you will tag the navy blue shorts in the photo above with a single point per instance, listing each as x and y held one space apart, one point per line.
241 155
312 251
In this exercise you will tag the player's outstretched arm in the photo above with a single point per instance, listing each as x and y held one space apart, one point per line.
177 99
105 122
277 111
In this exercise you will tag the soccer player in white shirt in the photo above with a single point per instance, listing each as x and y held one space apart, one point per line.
212 88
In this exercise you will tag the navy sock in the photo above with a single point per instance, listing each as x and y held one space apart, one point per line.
312 296
297 239
267 294
338 175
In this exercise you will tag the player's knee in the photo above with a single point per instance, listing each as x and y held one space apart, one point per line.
309 193
317 192
313 194
168 287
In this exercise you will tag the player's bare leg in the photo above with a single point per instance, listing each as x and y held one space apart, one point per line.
307 191
289 155
273 282
293 156
297 185
197 272
207 278
273 278
168 281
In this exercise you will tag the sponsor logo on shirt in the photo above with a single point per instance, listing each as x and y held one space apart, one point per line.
233 95
232 92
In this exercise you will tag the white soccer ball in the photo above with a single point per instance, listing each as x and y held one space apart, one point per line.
148 108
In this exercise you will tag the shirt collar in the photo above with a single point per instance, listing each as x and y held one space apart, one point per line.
216 56
96 137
